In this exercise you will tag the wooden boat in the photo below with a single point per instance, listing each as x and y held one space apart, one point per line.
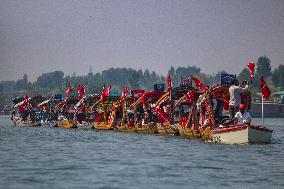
27 123
131 129
150 128
240 134
187 132
167 129
231 134
169 126
121 128
102 126
67 124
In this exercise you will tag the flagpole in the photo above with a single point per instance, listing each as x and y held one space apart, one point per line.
262 110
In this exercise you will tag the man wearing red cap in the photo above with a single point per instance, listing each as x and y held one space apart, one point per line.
242 116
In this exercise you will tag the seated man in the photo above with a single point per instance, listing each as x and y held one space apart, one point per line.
242 116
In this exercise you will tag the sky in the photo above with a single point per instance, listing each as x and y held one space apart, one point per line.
38 36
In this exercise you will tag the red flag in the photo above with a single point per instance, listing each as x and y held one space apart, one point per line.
124 93
191 96
107 93
199 84
251 69
169 82
226 104
23 107
264 89
160 114
69 90
81 92
102 93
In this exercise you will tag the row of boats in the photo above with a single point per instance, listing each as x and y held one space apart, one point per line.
181 111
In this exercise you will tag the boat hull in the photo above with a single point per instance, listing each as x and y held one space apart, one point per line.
167 129
187 132
150 128
67 124
242 134
101 126
27 124
121 128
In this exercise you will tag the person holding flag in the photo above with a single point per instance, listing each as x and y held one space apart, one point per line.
235 96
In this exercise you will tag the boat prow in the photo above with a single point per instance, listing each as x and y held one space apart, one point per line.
27 123
242 134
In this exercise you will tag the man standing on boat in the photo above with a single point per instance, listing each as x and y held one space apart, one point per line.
235 96
242 116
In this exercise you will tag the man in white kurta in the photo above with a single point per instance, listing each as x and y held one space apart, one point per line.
242 116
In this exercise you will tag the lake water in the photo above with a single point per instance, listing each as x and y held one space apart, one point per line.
44 157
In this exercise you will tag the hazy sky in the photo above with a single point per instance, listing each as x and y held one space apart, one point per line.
39 36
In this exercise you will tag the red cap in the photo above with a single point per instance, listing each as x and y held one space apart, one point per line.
242 106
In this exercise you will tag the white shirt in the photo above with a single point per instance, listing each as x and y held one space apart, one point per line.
243 118
235 94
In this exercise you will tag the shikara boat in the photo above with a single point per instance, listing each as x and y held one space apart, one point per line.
231 133
141 106
170 125
107 122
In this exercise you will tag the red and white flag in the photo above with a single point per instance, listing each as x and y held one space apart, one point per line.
81 92
169 82
191 96
264 89
124 93
107 93
25 104
160 114
199 84
69 90
251 69
103 93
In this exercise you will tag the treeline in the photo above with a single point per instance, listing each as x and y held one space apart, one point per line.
56 82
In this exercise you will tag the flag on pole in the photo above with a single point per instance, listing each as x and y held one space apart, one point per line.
24 105
169 82
251 69
81 92
102 93
264 89
190 96
124 92
107 93
199 84
69 90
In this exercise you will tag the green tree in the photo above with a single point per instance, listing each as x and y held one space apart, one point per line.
278 76
263 67
244 75
134 80
51 80
23 83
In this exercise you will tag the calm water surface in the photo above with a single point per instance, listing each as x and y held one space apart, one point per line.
44 157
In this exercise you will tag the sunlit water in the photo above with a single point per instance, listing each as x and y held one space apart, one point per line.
45 157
